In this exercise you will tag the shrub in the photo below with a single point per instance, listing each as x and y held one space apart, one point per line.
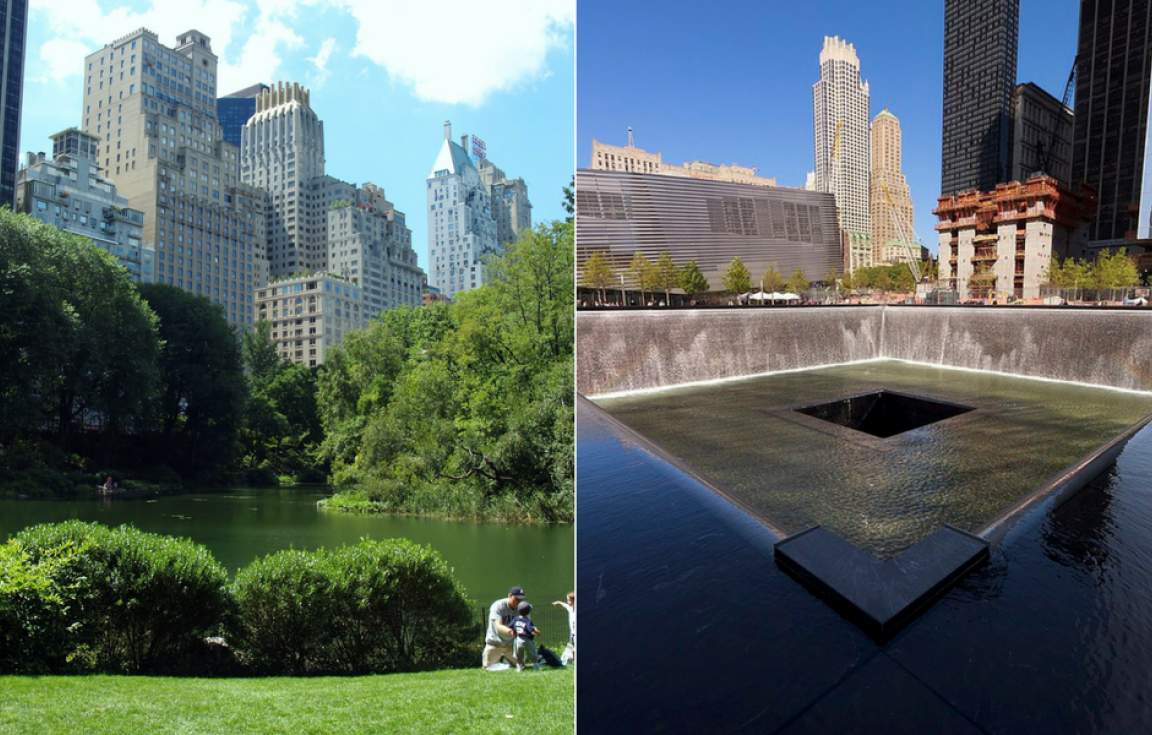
34 630
134 599
375 607
261 477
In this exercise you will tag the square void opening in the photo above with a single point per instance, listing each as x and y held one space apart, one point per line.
884 413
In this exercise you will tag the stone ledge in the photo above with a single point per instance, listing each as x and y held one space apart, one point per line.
881 597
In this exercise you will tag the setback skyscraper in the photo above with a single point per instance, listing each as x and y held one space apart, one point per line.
1110 138
843 144
152 110
980 40
236 108
13 29
891 198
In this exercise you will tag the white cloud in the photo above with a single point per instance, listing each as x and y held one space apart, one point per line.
321 62
461 50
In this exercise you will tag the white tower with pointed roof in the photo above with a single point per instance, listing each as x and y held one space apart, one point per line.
461 228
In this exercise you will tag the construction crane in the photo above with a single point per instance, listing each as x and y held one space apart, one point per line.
902 236
1044 153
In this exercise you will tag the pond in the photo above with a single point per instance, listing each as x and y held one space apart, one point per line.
240 524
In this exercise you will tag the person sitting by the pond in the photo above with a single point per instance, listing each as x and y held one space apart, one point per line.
569 654
108 484
524 647
498 639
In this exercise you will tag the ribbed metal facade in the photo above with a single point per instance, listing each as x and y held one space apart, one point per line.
710 222
13 22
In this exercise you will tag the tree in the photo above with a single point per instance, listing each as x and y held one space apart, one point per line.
773 280
197 411
597 273
666 276
832 279
797 284
1114 270
692 281
261 359
737 280
570 200
641 270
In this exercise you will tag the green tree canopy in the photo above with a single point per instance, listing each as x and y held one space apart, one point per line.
666 276
772 280
692 280
737 280
797 283
597 273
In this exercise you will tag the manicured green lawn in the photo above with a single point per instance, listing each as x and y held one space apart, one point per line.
459 701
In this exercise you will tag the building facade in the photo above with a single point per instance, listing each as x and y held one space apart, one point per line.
235 109
369 243
843 141
461 226
636 160
1111 132
1041 135
510 205
980 44
1002 242
709 222
71 192
153 109
893 222
13 31
282 152
311 313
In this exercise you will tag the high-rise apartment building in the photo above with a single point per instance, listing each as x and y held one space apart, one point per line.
980 41
843 141
310 313
153 110
891 197
370 244
73 193
13 30
631 159
1110 139
281 152
235 109
510 206
461 228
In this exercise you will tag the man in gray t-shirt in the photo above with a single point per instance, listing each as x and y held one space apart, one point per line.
498 640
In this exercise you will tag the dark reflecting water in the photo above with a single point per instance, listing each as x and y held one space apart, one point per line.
240 524
689 627
883 495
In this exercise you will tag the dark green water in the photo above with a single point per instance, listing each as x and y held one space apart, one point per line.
241 524
883 495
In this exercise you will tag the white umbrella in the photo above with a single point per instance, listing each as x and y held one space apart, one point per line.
789 296
758 296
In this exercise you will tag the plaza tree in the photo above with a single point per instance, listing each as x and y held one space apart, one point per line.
797 284
642 272
666 276
772 280
597 273
692 281
736 279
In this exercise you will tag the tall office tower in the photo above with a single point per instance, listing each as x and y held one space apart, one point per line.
1041 135
891 197
282 150
13 24
1110 138
236 108
153 108
843 143
461 230
980 39
370 244
510 206
73 193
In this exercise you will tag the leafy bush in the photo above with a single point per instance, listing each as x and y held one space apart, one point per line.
134 600
34 629
261 477
375 607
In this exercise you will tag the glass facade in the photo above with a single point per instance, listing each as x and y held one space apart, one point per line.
13 21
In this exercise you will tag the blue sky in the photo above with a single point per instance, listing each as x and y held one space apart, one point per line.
384 77
731 81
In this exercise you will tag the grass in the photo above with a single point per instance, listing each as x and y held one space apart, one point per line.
453 701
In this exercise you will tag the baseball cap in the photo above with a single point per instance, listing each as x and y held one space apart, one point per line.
517 592
525 608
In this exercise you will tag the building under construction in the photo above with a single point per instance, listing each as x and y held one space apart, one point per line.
1001 243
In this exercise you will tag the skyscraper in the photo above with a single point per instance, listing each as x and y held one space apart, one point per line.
980 40
843 142
1110 135
236 108
510 206
152 111
13 27
281 152
891 197
461 229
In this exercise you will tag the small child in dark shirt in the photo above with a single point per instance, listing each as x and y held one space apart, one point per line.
524 645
